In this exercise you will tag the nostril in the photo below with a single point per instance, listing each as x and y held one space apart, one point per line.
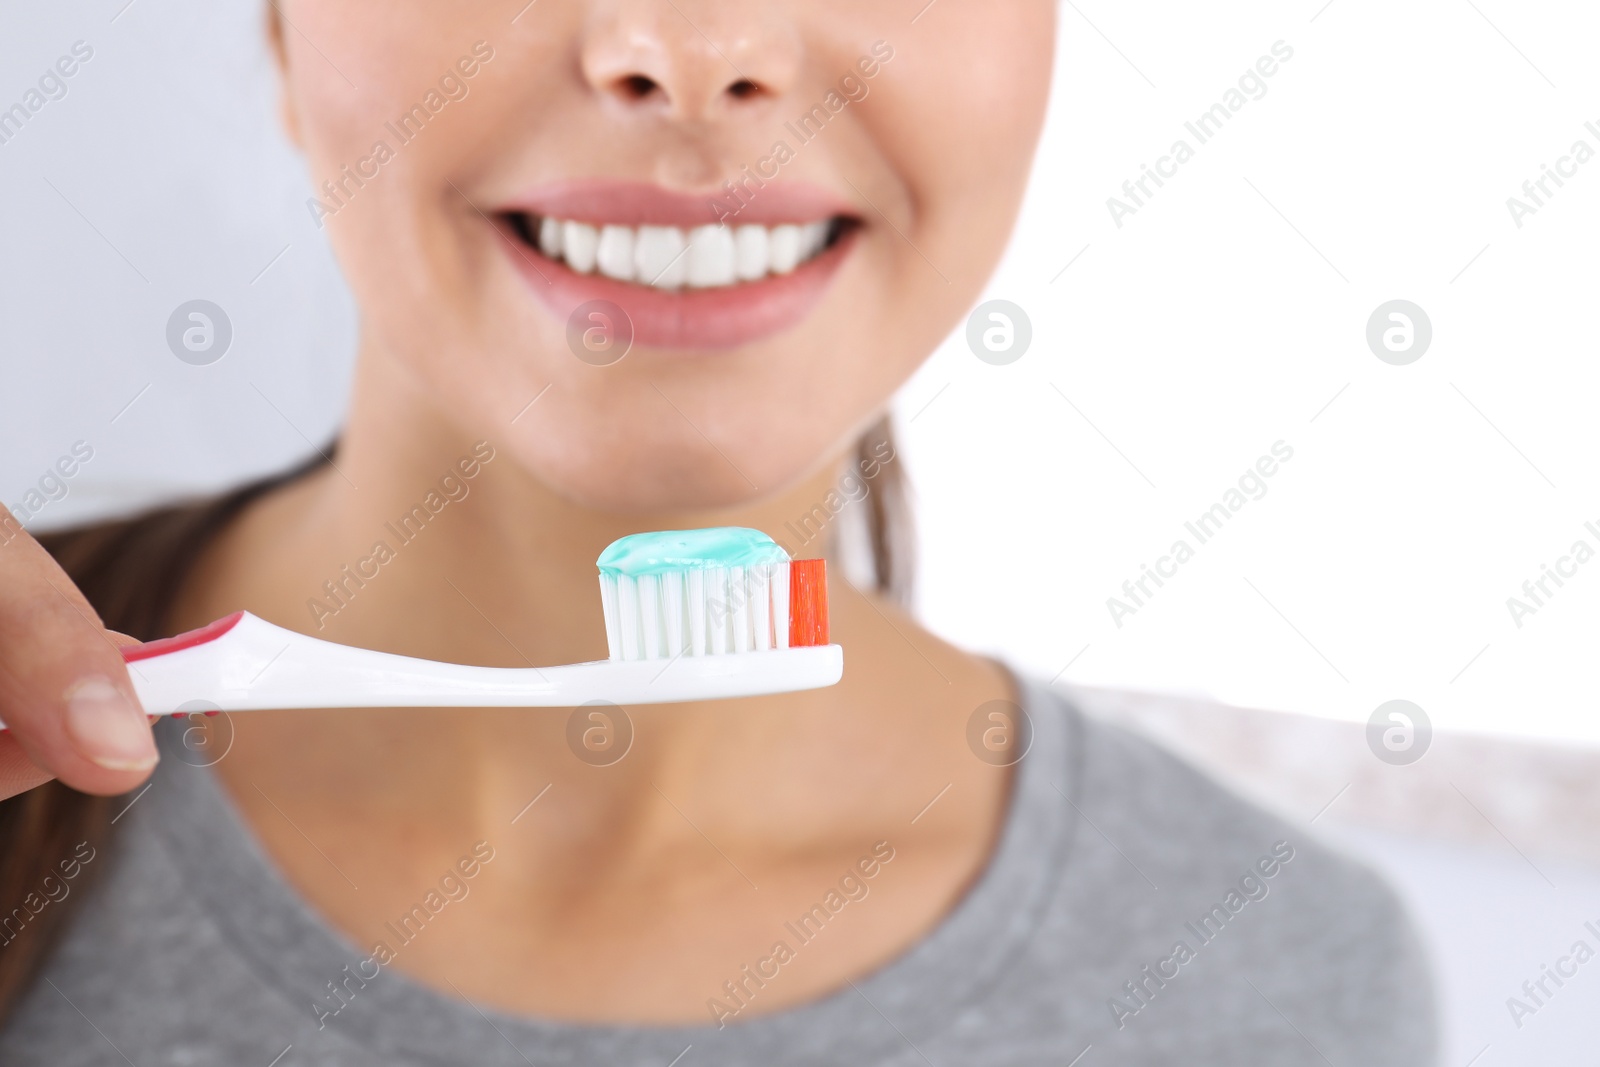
743 89
637 86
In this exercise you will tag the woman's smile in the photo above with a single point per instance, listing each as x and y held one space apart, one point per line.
684 281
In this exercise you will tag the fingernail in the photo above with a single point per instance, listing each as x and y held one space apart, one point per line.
107 727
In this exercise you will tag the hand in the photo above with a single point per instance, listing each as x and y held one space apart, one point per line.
64 691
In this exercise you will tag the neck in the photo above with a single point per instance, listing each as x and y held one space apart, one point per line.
427 541
719 821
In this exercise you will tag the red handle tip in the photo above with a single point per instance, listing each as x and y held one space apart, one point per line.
209 632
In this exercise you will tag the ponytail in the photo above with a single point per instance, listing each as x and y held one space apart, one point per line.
891 535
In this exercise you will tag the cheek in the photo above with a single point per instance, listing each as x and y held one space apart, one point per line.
419 257
964 145
955 153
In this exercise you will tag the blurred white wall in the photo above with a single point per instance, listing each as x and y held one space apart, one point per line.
1230 313
159 178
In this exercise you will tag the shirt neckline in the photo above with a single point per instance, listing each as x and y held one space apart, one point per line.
908 1000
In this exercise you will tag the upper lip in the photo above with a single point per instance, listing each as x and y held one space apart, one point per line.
607 201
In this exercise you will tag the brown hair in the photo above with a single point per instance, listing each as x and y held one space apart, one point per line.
891 534
132 569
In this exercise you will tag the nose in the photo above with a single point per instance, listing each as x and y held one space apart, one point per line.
689 60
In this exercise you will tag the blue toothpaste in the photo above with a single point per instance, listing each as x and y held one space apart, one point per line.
668 551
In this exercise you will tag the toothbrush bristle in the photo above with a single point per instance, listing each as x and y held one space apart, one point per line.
707 611
710 592
808 602
716 610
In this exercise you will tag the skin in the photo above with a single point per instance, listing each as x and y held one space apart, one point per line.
629 892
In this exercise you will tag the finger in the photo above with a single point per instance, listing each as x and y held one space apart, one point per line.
65 694
18 773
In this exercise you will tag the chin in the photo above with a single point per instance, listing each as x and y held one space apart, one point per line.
652 479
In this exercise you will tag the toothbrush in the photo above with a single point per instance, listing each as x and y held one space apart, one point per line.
689 615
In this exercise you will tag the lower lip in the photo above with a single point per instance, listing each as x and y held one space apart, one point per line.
725 317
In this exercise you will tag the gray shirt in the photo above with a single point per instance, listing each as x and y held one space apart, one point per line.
1134 912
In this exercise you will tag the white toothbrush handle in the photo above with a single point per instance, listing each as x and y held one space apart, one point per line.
243 663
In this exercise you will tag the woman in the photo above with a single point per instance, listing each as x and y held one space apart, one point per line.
904 868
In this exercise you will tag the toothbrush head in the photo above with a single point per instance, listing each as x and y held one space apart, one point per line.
709 592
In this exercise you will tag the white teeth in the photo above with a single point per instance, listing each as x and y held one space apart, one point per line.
579 242
710 257
659 258
665 258
813 236
614 254
550 237
750 244
783 249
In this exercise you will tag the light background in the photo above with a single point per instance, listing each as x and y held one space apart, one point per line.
1230 313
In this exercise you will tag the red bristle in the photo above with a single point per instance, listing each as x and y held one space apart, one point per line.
808 602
